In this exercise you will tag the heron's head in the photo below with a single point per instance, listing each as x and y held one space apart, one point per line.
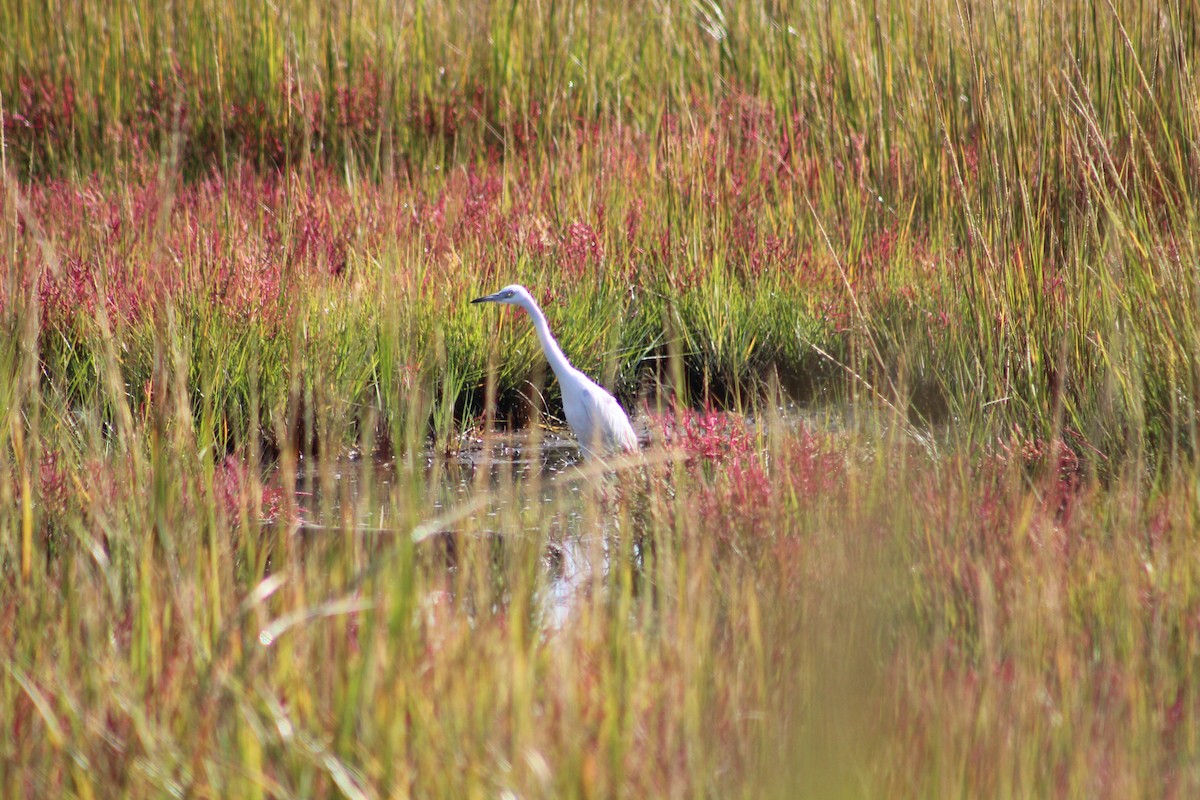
514 295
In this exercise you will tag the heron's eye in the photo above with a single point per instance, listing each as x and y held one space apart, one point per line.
508 294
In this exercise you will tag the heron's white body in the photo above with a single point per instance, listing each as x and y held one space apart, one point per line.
595 416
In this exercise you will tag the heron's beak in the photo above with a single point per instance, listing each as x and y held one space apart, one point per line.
487 298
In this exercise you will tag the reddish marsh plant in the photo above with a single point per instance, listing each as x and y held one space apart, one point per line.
231 490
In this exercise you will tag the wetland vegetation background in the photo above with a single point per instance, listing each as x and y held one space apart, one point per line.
237 245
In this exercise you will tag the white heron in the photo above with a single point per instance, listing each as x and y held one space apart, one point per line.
597 419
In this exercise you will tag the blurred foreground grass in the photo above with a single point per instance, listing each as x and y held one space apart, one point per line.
752 611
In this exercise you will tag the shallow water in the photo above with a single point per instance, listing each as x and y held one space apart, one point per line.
473 489
477 490
503 459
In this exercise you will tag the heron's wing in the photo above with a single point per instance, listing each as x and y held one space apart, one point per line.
610 426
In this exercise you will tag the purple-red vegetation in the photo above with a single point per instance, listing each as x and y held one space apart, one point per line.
1025 508
810 466
1012 578
231 487
247 240
1055 463
360 103
42 113
707 436
580 251
742 491
240 240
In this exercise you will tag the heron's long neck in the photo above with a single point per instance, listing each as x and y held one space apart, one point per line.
554 353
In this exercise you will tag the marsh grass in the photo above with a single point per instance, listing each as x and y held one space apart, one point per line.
238 248
997 220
